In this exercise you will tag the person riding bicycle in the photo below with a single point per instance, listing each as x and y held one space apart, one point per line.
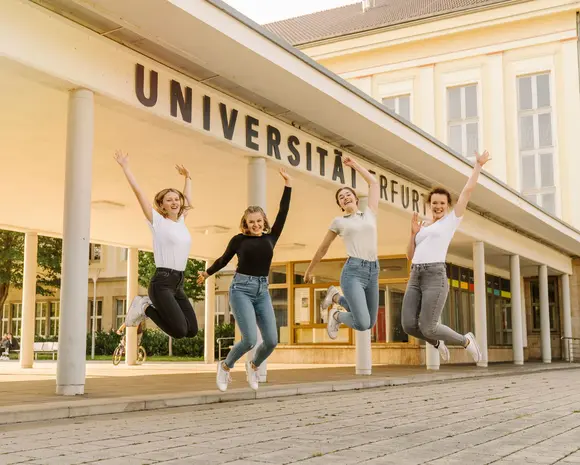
140 329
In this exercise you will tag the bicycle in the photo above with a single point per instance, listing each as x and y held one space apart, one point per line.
120 352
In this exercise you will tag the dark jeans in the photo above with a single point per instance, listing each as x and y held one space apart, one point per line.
423 304
171 311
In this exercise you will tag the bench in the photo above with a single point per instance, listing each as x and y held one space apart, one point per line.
39 348
45 348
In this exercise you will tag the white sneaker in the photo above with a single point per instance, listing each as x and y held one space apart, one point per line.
328 300
472 347
223 377
253 376
443 351
136 312
333 325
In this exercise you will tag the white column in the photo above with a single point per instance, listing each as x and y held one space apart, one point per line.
257 196
545 315
132 292
70 374
363 353
516 302
362 339
432 357
209 332
29 300
480 300
567 314
524 314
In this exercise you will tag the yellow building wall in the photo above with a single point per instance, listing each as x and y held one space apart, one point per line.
493 57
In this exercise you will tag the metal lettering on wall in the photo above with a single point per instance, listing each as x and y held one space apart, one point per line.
268 139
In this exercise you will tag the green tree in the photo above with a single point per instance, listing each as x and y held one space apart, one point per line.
12 263
194 291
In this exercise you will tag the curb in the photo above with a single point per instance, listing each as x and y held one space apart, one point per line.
82 408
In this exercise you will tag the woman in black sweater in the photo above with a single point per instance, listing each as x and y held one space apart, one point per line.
249 295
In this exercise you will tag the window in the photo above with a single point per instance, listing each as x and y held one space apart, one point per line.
499 317
5 318
16 324
278 274
95 251
280 304
222 308
40 327
536 141
552 303
463 120
401 105
459 309
54 318
120 311
99 322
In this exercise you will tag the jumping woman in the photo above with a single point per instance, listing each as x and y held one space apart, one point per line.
359 279
428 284
249 294
167 304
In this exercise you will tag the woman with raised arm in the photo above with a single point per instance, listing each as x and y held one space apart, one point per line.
428 284
249 294
167 304
359 279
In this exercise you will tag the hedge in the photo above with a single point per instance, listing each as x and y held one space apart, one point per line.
157 343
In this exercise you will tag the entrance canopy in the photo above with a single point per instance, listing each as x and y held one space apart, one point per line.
208 89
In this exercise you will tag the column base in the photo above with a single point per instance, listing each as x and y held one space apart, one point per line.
433 367
70 390
547 361
482 364
26 365
518 362
364 372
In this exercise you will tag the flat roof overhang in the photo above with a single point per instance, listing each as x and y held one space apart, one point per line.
215 44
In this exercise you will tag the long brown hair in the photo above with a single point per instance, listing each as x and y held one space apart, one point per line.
245 229
158 202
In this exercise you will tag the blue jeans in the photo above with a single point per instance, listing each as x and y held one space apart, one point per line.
359 281
252 306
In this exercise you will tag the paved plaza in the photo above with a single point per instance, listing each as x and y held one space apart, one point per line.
520 419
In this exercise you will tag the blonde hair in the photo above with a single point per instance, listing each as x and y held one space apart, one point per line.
245 229
158 202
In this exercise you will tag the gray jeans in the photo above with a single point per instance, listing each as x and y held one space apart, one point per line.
423 304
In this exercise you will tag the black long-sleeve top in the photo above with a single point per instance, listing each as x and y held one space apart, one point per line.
255 252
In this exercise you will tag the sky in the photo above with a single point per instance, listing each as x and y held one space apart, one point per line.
267 11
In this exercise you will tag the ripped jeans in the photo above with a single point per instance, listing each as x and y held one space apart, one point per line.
252 306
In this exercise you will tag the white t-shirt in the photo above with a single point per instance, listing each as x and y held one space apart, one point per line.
359 232
171 242
432 242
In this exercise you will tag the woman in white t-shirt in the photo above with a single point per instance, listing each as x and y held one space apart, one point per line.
359 279
428 284
167 304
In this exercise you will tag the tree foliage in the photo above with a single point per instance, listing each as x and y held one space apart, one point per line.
12 263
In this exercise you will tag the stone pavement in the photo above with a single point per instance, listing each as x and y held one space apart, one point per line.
527 419
29 395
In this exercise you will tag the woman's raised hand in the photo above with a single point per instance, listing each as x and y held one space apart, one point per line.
122 158
415 224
